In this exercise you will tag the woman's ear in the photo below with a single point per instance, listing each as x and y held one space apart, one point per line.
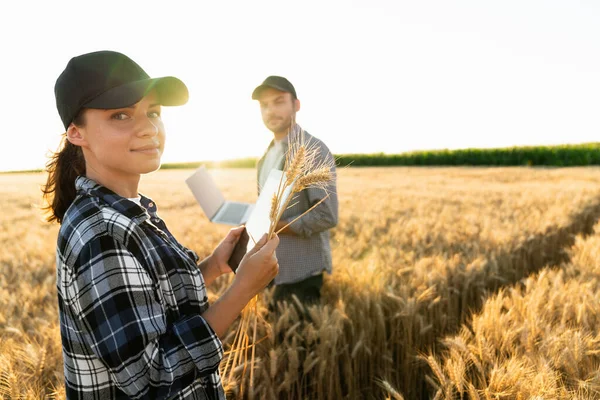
75 135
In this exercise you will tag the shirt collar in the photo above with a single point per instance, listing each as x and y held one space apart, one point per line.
138 214
285 141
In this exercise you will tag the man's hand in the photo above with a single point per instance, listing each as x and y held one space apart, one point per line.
286 231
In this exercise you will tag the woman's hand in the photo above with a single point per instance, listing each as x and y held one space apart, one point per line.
223 251
258 267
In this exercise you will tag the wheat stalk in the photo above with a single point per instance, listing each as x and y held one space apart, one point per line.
302 171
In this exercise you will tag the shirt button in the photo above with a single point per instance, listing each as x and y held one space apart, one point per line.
151 204
156 219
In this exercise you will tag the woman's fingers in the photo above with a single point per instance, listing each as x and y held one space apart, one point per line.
234 234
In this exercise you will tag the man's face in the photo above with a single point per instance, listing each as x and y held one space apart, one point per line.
278 110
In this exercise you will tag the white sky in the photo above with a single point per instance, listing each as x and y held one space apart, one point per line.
372 75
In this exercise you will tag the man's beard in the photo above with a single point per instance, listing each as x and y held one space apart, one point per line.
279 125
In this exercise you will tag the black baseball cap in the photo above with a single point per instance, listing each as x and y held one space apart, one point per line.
275 82
108 80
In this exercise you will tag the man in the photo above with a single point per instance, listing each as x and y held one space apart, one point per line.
304 252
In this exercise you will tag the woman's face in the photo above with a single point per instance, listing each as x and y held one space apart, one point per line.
123 142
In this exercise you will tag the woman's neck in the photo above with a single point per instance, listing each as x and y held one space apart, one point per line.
123 185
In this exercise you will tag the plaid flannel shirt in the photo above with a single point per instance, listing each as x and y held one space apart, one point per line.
130 301
308 252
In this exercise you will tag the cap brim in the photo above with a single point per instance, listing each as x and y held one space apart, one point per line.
171 91
256 93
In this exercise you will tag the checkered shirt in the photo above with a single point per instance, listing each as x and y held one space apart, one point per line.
130 301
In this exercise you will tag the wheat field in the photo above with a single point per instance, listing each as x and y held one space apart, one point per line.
448 283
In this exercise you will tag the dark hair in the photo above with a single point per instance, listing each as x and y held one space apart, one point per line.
64 167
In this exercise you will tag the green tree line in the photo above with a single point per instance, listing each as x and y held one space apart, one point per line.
551 156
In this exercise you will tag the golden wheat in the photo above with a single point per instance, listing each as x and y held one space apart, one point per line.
415 252
538 338
301 173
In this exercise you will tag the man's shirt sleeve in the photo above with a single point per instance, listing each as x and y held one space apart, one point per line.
325 215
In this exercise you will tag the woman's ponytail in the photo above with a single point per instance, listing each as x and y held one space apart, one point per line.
63 168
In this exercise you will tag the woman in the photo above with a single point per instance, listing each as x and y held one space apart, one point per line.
134 315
